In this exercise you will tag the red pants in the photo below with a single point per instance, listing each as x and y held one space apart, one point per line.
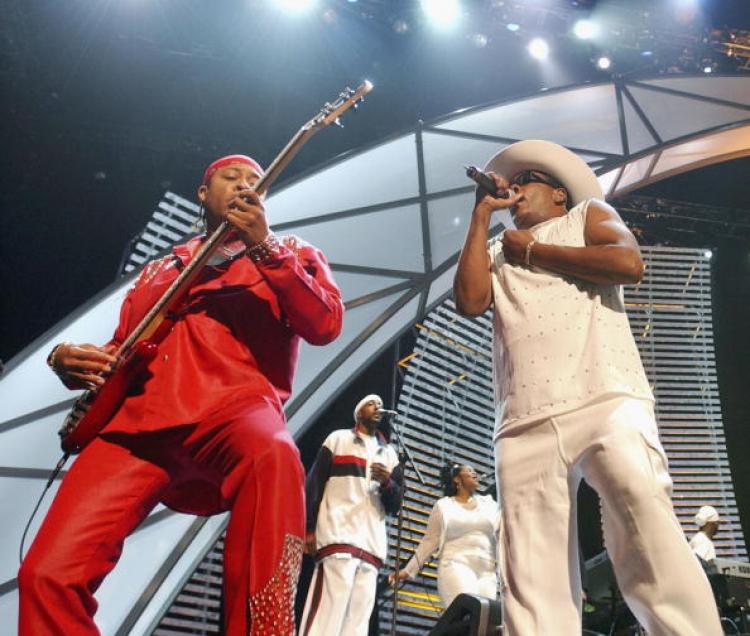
247 463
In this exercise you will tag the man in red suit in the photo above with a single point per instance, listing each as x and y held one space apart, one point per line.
205 432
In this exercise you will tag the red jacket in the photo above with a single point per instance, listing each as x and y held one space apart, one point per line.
235 340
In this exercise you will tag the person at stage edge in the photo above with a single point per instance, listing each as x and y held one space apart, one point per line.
205 432
462 528
707 519
356 479
572 401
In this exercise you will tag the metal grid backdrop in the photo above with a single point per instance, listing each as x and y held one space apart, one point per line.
391 219
447 411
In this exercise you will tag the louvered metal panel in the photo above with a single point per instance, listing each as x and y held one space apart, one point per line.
175 219
670 313
447 412
197 608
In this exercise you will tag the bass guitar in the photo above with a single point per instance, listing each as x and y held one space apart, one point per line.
94 409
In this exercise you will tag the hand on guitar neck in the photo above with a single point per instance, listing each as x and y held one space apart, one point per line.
82 366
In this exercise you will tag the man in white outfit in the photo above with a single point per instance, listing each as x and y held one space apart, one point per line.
356 479
573 401
707 519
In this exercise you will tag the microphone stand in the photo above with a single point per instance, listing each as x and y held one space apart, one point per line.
404 457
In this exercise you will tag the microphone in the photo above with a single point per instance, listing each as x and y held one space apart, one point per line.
486 182
387 412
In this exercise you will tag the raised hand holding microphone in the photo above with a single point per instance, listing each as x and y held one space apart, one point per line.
486 182
493 192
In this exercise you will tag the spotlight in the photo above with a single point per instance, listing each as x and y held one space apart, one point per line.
584 29
512 27
442 12
603 63
538 49
401 26
479 40
708 69
708 254
295 6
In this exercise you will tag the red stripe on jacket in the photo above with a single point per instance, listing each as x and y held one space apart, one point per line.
350 459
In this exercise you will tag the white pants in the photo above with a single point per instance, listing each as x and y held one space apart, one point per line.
469 576
341 597
614 446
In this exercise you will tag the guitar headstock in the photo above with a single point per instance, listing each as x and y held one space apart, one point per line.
331 112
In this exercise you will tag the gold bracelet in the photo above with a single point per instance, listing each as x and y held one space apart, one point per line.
527 258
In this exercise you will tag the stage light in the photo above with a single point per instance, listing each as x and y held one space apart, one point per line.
538 49
708 69
443 13
479 40
295 6
647 53
512 27
585 29
603 63
401 26
708 254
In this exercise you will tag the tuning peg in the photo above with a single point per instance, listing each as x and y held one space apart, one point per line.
337 121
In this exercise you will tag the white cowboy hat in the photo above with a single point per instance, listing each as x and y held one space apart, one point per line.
555 160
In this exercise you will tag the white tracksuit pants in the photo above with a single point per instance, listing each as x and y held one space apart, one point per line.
614 446
341 597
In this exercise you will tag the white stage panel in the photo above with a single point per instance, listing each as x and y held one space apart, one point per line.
731 89
390 238
314 359
446 155
674 116
584 117
384 173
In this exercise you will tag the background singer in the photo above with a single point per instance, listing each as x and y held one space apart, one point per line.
356 479
462 529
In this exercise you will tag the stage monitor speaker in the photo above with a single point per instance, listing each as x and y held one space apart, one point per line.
470 615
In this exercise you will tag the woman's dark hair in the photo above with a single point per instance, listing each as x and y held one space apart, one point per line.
447 475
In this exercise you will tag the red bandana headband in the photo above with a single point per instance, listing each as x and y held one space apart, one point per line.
225 161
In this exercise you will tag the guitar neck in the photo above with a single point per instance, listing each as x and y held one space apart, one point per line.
174 293
329 114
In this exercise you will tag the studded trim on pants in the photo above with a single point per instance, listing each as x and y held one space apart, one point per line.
272 608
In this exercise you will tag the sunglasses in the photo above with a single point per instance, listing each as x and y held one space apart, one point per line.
535 176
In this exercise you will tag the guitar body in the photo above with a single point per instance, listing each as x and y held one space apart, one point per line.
94 409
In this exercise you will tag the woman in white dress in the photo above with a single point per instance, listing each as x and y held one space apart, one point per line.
462 529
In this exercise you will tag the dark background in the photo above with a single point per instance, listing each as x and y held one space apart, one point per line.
109 103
